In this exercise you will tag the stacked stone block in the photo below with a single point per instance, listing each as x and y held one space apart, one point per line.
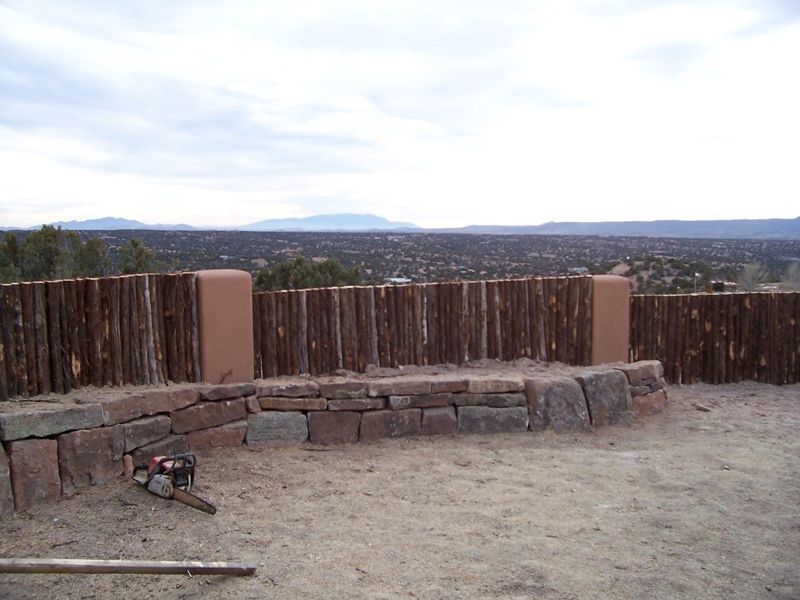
647 386
50 451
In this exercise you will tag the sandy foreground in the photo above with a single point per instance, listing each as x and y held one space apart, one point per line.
687 504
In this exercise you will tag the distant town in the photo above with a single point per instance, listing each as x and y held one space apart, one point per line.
654 265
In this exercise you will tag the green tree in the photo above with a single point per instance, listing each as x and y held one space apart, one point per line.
135 257
9 259
48 254
299 273
91 259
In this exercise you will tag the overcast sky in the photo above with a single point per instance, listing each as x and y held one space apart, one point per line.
436 112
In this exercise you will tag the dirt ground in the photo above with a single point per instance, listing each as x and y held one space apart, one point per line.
686 504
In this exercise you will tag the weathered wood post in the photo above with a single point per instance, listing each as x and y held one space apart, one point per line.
225 309
610 319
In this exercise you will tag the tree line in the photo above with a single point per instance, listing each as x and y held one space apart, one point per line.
52 253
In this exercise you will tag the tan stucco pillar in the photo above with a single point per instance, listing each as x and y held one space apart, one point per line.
610 319
225 310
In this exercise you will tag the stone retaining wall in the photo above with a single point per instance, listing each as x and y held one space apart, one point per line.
49 451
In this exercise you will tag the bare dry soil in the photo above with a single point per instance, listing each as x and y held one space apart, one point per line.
686 504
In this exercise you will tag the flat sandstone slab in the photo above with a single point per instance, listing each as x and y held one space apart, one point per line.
273 428
485 419
51 421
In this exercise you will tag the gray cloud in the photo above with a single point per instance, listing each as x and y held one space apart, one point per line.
159 127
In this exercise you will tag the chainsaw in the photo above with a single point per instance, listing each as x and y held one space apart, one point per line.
172 477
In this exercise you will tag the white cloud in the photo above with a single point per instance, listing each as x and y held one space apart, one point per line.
440 113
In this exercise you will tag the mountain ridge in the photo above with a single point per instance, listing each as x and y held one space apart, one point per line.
351 222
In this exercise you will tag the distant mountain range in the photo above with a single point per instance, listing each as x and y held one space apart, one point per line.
714 229
110 223
722 229
337 222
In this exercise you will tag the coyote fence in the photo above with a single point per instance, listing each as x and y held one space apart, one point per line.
324 329
719 338
56 336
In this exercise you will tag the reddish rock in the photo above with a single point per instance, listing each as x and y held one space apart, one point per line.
207 414
34 472
499 384
252 405
485 419
47 420
439 421
227 392
119 408
145 431
344 389
90 457
650 404
399 387
327 428
425 401
127 466
287 388
357 404
640 390
390 423
493 400
443 384
230 434
164 400
6 494
168 446
272 403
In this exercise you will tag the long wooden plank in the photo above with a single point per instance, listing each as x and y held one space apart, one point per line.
142 567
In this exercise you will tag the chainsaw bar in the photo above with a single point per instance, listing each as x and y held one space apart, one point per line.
193 501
